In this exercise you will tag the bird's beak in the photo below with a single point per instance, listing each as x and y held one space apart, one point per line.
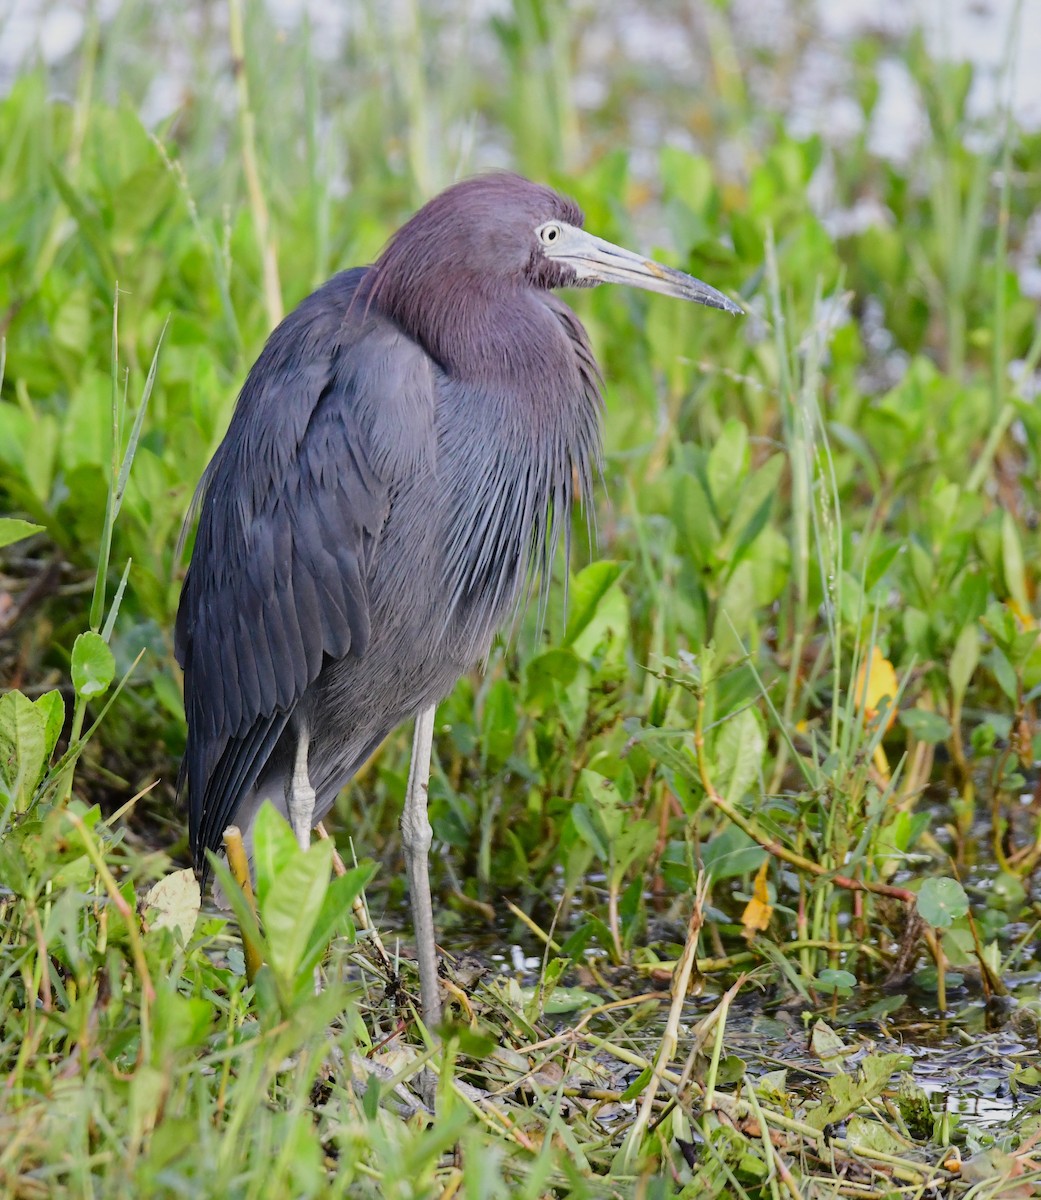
595 260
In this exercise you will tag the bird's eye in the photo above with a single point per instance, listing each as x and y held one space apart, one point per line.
549 234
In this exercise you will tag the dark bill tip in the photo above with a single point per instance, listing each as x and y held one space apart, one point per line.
595 260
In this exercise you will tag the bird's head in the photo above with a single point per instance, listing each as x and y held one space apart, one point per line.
498 231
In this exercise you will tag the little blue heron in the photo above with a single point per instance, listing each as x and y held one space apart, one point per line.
399 468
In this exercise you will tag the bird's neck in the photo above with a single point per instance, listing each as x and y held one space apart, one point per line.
470 329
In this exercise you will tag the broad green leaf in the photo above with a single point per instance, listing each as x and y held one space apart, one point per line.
964 660
28 733
737 610
604 797
738 753
1007 892
865 1134
28 450
895 839
876 1070
551 977
585 593
274 846
291 886
93 666
598 609
828 1045
292 907
926 726
694 519
13 530
21 743
773 1085
498 724
1012 563
169 696
557 683
941 902
960 948
578 941
1001 624
923 567
846 1093
917 630
732 1069
731 853
86 438
834 982
878 1010
71 326
52 706
1003 672
752 509
727 465
94 236
632 844
179 1022
335 910
564 999
769 563
591 831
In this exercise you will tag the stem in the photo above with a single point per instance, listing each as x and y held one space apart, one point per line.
239 866
248 130
770 845
612 918
670 1035
137 950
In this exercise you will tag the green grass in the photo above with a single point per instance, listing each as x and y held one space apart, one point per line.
845 484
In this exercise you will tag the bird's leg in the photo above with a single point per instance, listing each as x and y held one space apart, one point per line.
416 837
300 798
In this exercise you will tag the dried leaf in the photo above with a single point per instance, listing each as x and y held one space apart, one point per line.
174 902
758 910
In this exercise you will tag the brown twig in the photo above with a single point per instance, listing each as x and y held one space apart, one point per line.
670 1035
44 584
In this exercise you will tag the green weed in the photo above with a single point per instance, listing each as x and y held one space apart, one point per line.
779 750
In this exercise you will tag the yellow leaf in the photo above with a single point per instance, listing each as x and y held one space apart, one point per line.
1025 619
881 763
876 680
758 910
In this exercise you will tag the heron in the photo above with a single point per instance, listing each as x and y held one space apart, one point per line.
397 475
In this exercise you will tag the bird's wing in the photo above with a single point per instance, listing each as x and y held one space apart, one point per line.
337 411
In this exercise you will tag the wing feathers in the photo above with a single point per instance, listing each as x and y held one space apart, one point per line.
291 509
